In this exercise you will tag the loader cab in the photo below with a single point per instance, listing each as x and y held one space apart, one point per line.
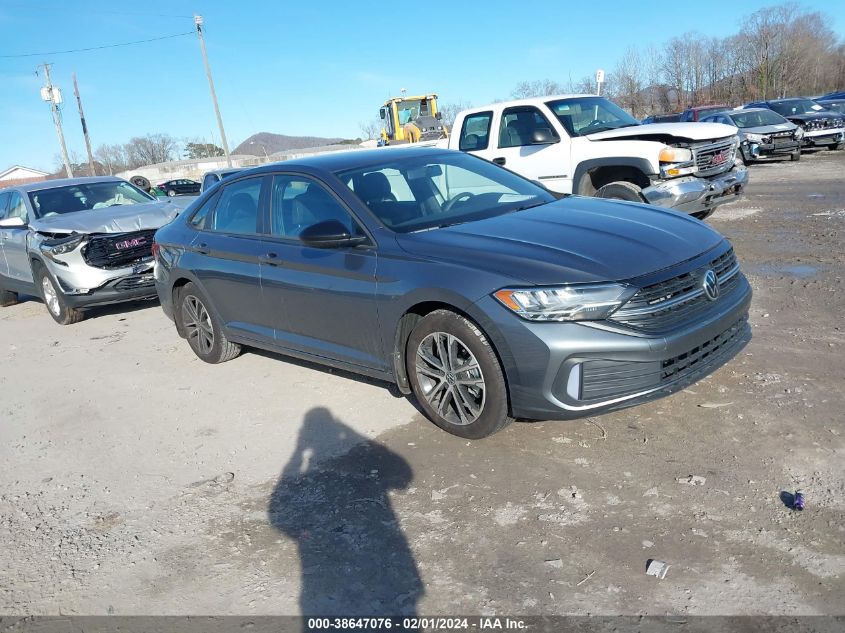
402 118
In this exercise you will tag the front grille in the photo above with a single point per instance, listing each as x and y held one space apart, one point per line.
608 379
132 283
714 158
824 124
677 300
117 250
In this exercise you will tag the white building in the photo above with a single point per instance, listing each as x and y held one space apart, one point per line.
19 172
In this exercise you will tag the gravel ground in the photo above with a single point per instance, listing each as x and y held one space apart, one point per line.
138 480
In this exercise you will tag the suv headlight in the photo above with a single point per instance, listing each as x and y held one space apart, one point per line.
566 303
62 245
676 161
754 138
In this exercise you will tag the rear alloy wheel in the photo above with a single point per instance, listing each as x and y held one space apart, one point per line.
55 301
621 191
456 376
8 298
202 328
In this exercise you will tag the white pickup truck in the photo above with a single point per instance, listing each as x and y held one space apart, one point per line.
588 145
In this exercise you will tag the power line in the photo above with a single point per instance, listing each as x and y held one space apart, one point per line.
97 48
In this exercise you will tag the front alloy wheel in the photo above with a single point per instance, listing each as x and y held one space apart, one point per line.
456 376
450 378
57 306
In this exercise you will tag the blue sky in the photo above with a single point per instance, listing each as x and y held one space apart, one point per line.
311 68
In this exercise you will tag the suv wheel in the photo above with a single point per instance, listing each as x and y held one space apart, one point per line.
8 298
795 156
202 328
51 293
456 376
621 191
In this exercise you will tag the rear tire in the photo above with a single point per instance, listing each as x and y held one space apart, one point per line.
202 328
171 193
795 156
8 298
456 376
54 299
621 191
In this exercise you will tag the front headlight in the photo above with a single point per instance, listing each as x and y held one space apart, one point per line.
676 161
799 132
62 245
754 138
566 303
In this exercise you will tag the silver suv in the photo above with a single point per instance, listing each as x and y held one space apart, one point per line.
78 243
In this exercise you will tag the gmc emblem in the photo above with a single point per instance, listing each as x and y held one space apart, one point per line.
134 242
719 158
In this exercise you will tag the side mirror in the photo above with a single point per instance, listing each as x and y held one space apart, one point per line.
15 222
543 136
438 116
329 234
382 113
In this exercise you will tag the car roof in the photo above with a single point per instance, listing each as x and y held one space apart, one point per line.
348 159
225 170
65 182
530 101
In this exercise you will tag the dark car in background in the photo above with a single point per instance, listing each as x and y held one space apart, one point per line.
832 101
179 187
465 284
662 118
822 127
696 114
762 133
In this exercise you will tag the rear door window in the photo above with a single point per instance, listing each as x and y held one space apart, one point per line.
237 210
475 132
518 125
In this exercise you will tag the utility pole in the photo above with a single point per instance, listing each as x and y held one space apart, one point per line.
51 94
84 127
198 24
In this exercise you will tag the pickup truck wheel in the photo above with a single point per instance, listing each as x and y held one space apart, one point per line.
621 191
51 293
456 376
795 156
8 298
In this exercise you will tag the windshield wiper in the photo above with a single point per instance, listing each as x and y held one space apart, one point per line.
528 206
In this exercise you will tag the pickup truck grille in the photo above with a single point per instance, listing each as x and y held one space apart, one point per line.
118 250
678 299
714 158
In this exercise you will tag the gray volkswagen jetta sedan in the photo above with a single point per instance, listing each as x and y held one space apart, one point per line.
465 284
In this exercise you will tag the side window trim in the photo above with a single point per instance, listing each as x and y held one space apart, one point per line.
317 180
489 115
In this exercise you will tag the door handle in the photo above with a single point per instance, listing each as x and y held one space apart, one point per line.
202 249
269 258
500 161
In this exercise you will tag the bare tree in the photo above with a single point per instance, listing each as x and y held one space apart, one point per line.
150 149
112 157
370 129
448 111
538 88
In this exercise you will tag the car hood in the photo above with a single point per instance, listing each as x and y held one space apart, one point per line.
573 240
648 131
768 129
119 219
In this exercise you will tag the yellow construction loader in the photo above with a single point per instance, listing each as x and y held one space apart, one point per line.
411 120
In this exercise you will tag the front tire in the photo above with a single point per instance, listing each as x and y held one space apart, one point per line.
202 327
621 191
54 299
835 146
456 376
795 156
171 193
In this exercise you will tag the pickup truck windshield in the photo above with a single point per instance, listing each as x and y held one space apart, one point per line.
414 193
82 197
587 115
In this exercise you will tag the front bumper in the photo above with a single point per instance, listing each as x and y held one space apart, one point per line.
821 138
86 286
696 195
754 151
614 367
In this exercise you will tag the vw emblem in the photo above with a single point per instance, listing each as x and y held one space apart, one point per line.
710 284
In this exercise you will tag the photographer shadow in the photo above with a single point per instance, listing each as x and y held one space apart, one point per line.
355 560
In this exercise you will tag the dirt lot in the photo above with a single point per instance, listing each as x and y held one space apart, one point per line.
136 479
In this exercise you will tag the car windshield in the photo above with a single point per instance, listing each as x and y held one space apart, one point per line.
82 197
414 193
588 115
796 106
711 109
757 119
